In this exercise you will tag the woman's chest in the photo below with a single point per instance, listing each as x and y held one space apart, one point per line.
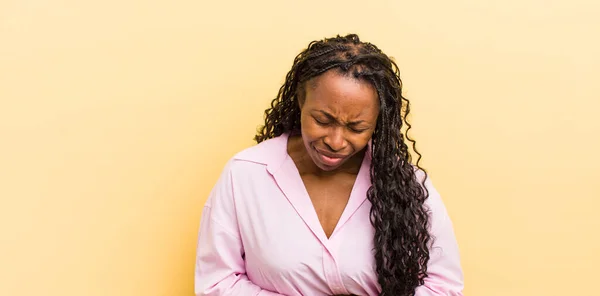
329 197
286 247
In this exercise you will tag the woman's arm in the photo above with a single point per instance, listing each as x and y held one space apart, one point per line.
220 266
445 276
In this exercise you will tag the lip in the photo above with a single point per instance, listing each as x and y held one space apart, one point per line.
330 159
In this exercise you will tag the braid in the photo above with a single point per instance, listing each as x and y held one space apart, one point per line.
398 213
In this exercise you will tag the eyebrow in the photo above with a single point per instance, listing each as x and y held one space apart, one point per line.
330 116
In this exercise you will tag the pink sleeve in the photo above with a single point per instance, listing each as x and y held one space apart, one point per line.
445 277
220 267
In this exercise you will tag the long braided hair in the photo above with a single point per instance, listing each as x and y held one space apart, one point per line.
398 213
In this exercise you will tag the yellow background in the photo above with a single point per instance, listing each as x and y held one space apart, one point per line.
117 116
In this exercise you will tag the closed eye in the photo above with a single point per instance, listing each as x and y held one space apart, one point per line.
320 121
358 130
358 127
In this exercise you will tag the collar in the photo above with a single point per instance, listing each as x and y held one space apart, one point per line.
272 153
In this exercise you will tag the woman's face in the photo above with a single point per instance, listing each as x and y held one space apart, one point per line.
338 117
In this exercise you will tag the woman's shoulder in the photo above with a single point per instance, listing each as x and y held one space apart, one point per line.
249 164
263 152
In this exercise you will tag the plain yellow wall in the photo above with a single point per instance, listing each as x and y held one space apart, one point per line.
117 116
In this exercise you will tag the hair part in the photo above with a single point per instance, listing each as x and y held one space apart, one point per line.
398 213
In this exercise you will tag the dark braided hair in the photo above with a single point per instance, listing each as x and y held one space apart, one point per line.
398 213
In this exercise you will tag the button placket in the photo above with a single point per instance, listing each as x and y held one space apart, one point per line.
332 274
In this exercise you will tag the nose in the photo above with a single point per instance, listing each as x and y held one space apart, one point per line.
335 139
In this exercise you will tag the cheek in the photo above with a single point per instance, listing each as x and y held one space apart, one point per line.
360 141
310 129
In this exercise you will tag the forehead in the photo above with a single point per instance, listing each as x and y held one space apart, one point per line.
334 91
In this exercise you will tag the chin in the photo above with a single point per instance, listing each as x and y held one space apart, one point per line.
327 168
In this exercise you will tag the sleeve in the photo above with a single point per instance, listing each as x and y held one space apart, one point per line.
445 276
220 266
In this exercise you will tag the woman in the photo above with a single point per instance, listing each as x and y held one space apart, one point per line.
328 202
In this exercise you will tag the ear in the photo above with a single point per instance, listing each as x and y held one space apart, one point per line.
300 101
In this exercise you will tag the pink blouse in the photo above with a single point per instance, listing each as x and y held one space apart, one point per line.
260 235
